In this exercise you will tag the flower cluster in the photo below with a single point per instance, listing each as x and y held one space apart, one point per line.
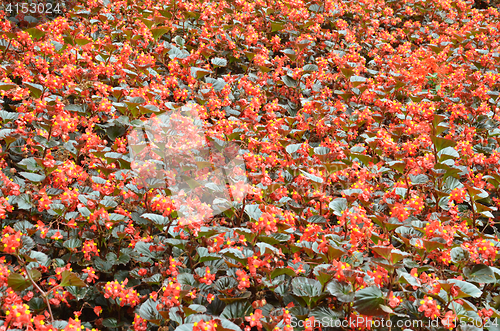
90 249
17 313
11 240
122 295
171 294
429 307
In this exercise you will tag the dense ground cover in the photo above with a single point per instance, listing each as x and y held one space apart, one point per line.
370 136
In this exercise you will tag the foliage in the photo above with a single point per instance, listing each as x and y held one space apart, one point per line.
370 134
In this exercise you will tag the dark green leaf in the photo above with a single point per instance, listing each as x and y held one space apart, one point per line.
368 301
149 312
111 323
342 291
338 206
237 309
160 31
32 177
36 33
306 287
35 89
253 211
7 86
357 80
199 72
71 279
326 316
72 243
310 68
290 82
219 62
481 273
458 255
277 26
18 282
292 148
283 271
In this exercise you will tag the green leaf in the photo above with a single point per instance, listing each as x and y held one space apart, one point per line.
102 265
148 109
111 323
266 248
481 273
219 62
228 325
199 72
191 182
149 312
78 292
32 177
36 33
237 309
397 165
37 303
442 143
348 72
368 301
406 278
123 259
466 289
253 211
116 131
282 271
357 80
194 309
321 150
7 86
72 243
310 68
419 179
142 248
35 89
225 283
82 41
277 26
338 206
23 201
290 82
40 257
316 219
185 327
206 256
326 316
159 32
177 53
57 46
447 153
18 282
154 279
290 53
342 291
312 177
306 287
155 218
71 279
397 255
292 148
458 255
